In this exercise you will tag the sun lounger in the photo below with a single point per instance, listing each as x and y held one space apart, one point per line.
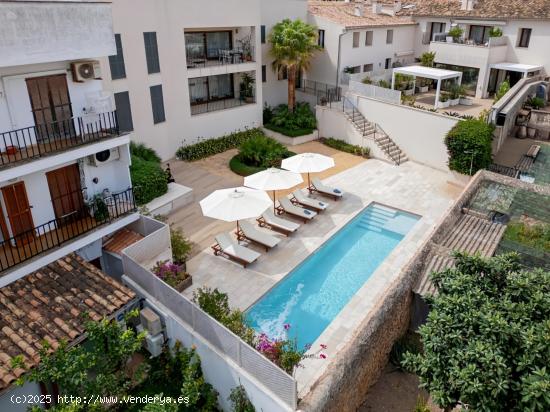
318 186
308 202
269 220
286 206
226 246
247 231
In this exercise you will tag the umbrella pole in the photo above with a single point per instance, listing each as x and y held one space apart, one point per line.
274 209
308 182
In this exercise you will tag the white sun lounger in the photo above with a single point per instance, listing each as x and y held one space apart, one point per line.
286 206
226 246
305 201
318 186
249 232
269 220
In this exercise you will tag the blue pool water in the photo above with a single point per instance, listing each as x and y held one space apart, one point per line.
311 296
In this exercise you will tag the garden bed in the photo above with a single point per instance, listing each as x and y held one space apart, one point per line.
289 132
344 146
288 140
241 169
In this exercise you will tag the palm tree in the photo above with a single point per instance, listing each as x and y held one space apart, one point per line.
293 44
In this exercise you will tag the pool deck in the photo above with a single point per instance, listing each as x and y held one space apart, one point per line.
410 187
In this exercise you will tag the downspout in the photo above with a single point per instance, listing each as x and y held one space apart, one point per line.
339 53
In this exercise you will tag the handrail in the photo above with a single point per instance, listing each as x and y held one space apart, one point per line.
39 140
27 244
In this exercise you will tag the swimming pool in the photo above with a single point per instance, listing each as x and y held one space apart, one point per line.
313 294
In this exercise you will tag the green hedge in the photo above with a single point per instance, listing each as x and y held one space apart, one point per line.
211 147
346 147
469 146
148 179
241 169
288 132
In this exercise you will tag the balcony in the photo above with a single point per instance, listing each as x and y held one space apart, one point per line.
22 145
28 244
468 53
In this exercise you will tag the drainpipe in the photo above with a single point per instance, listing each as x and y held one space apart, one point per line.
339 49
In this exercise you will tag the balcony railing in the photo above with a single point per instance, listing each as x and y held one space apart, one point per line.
222 57
215 105
44 139
491 42
33 242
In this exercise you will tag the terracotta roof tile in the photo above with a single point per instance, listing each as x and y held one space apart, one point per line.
343 13
508 9
48 304
121 240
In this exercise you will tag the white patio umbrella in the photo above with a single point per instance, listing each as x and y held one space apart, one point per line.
308 163
235 204
273 179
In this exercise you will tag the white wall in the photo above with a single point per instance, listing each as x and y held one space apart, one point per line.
419 133
169 19
49 31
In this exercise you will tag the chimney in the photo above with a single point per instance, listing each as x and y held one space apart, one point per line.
376 7
467 5
397 6
358 11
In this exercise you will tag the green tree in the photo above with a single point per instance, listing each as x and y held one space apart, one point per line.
293 44
503 88
427 59
487 338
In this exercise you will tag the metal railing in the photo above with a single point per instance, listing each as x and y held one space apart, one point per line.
221 57
324 93
99 211
222 104
43 139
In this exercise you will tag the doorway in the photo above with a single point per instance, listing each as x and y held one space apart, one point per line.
51 106
18 213
66 192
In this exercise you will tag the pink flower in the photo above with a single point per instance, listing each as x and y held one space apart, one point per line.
323 346
286 326
323 356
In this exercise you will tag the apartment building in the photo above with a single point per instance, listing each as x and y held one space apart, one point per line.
359 37
520 51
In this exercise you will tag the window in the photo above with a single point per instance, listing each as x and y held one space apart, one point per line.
387 65
389 36
262 34
283 73
124 112
524 37
368 39
321 39
356 36
264 73
479 34
116 62
157 104
436 29
368 67
201 46
353 69
151 52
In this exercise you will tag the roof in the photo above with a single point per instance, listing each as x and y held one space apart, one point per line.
509 9
121 240
516 67
427 72
343 13
48 304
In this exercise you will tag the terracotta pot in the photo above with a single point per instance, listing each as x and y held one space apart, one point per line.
11 150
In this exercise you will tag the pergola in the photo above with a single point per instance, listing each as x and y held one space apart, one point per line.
517 67
427 73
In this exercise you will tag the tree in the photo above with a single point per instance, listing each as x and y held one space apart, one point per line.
427 59
487 338
293 44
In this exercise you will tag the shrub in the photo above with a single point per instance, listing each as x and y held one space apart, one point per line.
171 273
367 80
262 151
456 32
239 400
469 146
403 81
144 152
495 32
503 88
148 180
301 118
346 147
536 236
211 147
180 245
241 169
536 102
267 114
383 83
427 59
99 208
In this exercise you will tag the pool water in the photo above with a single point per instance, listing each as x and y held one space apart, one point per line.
313 294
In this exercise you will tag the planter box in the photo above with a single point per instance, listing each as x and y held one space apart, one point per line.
449 39
409 92
184 284
454 102
291 141
423 89
466 101
443 105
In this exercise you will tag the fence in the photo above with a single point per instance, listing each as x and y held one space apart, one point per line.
36 141
376 92
219 57
266 372
322 91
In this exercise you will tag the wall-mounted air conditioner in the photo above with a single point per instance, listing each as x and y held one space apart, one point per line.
89 70
105 156
154 344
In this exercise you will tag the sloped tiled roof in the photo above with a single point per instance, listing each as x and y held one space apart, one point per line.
343 13
121 240
501 9
48 305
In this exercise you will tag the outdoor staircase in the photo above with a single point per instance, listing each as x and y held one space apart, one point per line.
371 130
376 218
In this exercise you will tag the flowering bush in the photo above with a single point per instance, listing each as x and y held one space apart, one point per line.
169 272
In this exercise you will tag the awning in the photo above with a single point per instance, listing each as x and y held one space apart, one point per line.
516 67
427 72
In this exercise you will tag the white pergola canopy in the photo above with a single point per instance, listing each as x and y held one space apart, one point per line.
427 73
516 67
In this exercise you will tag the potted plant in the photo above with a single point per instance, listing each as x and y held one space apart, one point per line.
495 32
98 208
247 87
173 274
423 86
443 100
456 33
454 94
246 46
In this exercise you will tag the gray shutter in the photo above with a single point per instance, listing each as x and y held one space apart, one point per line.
151 52
124 112
157 104
116 62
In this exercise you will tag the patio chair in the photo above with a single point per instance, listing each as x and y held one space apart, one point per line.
229 248
247 231
269 220
319 187
303 200
286 206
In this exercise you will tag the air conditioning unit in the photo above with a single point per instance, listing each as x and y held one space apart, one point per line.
82 71
154 344
105 156
150 321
